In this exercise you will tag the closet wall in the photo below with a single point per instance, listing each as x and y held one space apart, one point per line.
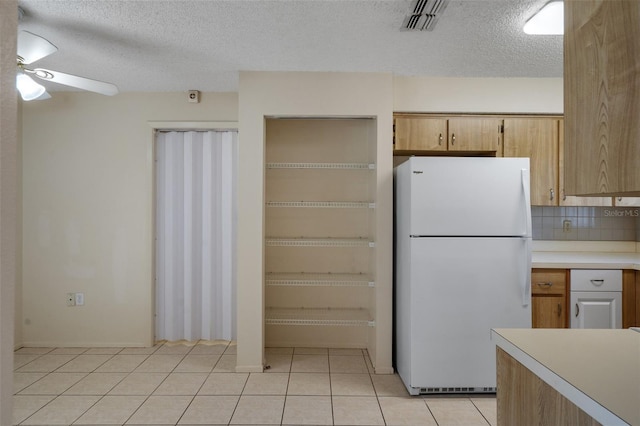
342 121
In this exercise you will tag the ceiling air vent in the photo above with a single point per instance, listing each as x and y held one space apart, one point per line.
425 14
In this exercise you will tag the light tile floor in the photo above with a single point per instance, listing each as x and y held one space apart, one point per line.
182 384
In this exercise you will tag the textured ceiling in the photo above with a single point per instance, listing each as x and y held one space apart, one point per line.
158 46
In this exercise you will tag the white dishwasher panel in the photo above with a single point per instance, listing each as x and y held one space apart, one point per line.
596 309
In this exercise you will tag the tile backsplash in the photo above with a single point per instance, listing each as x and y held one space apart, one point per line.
586 223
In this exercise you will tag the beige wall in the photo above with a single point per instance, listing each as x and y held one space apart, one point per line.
8 201
307 94
88 211
88 188
478 95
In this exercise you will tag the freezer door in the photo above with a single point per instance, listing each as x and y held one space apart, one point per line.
469 196
461 288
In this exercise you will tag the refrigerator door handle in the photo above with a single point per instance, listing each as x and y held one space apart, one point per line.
526 189
526 278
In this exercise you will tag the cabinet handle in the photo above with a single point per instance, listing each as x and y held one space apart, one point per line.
547 285
552 194
619 198
440 139
453 139
564 196
559 310
577 310
597 283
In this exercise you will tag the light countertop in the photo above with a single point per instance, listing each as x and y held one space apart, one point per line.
585 255
584 260
597 370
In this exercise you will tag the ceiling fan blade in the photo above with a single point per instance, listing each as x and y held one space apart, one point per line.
75 81
32 47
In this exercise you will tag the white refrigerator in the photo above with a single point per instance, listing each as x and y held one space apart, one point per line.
462 267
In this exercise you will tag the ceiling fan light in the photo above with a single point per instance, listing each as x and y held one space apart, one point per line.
28 88
547 21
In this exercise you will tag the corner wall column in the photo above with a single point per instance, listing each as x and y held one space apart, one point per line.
8 200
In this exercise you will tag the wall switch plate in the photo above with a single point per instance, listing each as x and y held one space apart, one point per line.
71 299
79 299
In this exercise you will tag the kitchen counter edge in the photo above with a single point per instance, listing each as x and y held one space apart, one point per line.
585 260
549 360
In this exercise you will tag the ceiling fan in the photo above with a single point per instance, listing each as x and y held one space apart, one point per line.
32 47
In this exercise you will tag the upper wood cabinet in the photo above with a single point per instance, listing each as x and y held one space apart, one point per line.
602 97
570 200
461 134
474 134
420 134
541 139
536 138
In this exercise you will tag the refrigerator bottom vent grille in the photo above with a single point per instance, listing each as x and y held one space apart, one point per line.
457 390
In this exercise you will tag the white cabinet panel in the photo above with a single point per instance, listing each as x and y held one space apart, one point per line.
601 309
596 280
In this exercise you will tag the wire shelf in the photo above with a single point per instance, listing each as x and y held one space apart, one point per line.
323 204
319 242
338 166
318 316
318 280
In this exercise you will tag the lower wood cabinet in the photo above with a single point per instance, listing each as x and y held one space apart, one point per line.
549 298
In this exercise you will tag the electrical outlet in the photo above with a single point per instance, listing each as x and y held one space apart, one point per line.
566 225
79 299
71 299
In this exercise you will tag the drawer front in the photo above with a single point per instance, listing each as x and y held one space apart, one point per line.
548 281
596 280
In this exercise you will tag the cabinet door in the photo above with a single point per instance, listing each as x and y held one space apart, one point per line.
568 200
601 101
549 298
596 309
536 138
548 311
474 134
420 134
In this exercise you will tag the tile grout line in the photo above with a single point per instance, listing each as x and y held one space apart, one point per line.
375 391
239 397
333 413
101 397
201 385
481 413
162 381
129 374
47 373
286 392
61 393
431 412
